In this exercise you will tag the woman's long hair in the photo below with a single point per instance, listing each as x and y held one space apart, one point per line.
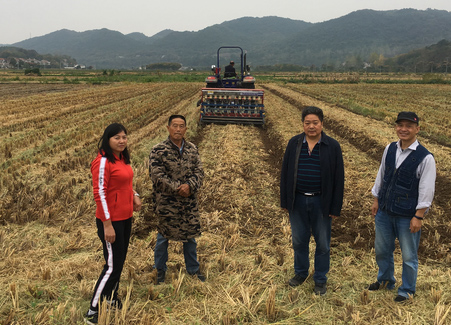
104 143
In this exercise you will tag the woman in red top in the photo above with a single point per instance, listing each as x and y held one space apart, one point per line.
112 180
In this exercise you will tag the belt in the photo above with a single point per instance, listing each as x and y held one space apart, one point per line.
310 193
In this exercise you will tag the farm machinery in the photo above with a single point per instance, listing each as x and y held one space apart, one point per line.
232 99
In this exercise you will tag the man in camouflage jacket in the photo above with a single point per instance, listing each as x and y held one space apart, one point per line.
177 174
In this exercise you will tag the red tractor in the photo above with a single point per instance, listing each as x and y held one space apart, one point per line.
231 98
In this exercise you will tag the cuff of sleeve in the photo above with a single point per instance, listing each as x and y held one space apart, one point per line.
422 205
191 187
176 186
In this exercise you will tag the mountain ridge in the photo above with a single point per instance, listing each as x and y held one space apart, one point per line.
268 40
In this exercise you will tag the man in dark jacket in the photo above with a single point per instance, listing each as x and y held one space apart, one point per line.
311 190
229 71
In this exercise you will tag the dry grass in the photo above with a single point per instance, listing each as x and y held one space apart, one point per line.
431 102
364 139
52 257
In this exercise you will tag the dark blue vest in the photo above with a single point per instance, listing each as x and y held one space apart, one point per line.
398 195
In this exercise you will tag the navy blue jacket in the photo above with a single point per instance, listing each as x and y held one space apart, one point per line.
332 174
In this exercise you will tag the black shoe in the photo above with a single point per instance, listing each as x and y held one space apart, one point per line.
115 303
199 275
161 275
320 289
374 286
400 298
91 319
296 280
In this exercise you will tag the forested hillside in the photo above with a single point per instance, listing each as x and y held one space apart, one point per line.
358 37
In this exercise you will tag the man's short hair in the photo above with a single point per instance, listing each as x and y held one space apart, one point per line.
231 62
176 116
312 110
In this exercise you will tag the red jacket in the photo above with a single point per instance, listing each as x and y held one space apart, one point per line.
113 189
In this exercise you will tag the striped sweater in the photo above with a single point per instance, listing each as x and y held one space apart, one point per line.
309 173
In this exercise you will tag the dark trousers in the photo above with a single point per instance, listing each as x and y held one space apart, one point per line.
114 254
307 219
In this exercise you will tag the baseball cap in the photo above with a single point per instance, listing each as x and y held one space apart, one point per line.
409 116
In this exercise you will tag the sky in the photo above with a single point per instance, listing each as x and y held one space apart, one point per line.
23 19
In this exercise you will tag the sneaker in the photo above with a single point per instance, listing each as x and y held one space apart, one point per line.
296 280
400 298
199 275
374 286
320 289
161 275
91 319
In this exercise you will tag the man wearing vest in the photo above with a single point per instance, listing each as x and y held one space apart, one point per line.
311 190
403 192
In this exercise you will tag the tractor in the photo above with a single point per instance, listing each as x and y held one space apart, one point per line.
231 98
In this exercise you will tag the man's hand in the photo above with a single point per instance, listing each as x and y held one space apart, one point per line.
375 207
415 225
183 190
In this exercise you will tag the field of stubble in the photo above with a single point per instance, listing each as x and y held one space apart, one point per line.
51 256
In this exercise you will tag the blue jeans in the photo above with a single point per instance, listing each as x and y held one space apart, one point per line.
306 219
389 228
189 252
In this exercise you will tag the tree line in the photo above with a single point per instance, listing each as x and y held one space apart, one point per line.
16 57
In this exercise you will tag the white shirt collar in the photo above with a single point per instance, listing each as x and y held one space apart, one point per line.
413 146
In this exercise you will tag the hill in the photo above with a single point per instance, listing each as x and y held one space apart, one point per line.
107 49
268 40
364 32
149 40
434 58
19 55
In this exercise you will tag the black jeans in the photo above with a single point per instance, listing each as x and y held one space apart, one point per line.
114 254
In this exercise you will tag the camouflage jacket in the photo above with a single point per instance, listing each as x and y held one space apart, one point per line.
178 217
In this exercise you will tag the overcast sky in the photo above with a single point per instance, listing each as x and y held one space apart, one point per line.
22 19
